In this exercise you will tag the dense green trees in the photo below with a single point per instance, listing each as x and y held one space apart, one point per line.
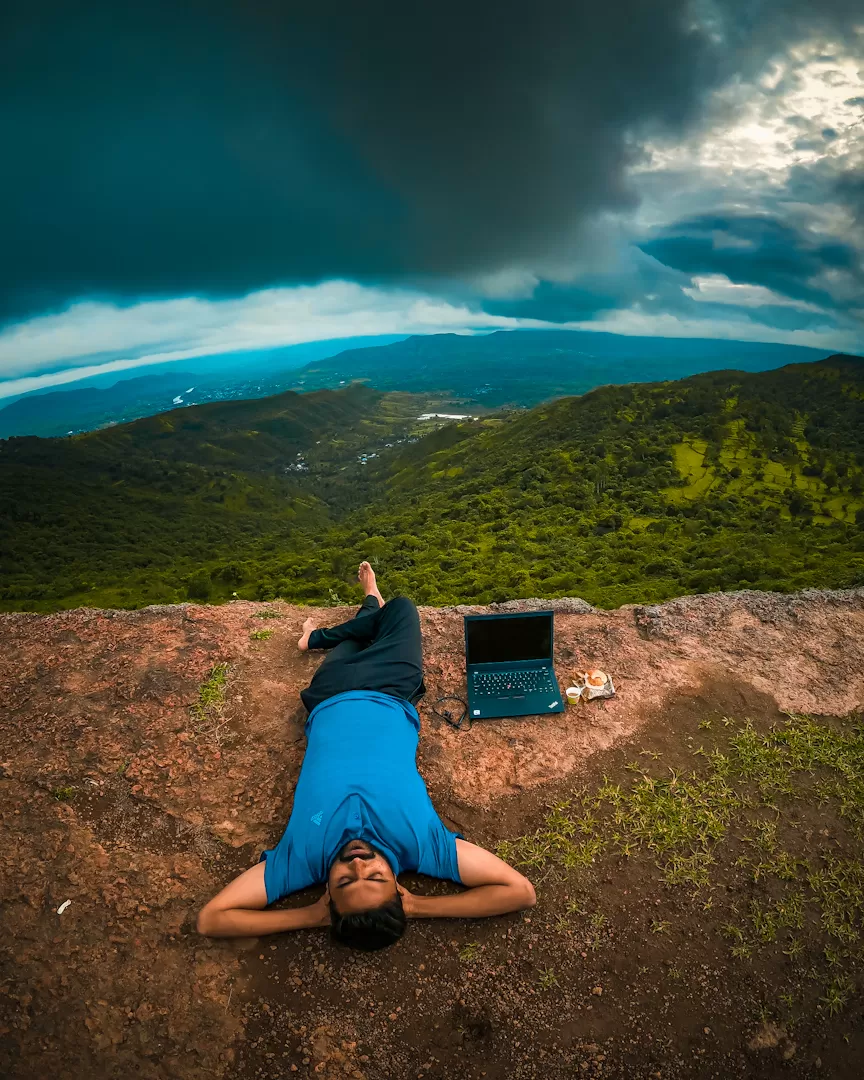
634 493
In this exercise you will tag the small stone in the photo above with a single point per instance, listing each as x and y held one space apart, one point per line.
707 1031
597 991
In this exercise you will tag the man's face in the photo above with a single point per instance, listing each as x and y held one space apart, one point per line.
360 879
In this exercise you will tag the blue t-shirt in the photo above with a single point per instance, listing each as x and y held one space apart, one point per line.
359 781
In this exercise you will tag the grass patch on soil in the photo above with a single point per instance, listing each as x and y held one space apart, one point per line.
268 613
208 710
261 635
764 836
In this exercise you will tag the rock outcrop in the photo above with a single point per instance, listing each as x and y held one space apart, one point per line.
125 793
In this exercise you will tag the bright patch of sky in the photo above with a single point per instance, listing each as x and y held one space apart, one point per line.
807 109
636 322
718 289
771 146
807 106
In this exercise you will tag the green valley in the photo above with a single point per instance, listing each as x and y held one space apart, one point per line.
137 513
633 493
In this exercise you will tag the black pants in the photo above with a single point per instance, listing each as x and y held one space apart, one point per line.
379 649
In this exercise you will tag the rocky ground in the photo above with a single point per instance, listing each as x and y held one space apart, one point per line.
132 795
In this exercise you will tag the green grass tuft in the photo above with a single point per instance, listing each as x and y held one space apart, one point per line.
470 952
547 978
208 709
837 994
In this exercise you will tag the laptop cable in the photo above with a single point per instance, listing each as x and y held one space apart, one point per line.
446 714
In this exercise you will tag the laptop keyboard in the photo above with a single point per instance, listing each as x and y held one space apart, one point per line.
508 684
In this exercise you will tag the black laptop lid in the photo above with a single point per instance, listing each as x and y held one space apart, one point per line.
503 639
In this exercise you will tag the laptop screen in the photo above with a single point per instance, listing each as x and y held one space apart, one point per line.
508 638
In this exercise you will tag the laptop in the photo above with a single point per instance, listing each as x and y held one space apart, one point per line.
509 661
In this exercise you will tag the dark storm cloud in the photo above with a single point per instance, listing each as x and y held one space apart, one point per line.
756 249
212 148
222 148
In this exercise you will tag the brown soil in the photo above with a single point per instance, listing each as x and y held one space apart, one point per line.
115 797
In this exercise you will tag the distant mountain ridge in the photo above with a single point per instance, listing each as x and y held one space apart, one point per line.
525 367
518 368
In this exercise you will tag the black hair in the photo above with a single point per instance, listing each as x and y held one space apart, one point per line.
369 930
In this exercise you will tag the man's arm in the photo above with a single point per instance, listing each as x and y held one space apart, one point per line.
494 888
237 910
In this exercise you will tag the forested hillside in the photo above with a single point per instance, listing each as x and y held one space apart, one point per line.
720 481
135 514
629 493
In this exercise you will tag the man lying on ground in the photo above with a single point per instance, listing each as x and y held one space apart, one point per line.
361 813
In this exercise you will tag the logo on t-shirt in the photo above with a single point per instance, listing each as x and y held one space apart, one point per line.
316 818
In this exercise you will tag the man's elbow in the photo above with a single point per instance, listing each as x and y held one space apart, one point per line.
528 896
206 922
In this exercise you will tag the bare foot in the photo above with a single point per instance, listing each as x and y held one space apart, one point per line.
366 576
308 627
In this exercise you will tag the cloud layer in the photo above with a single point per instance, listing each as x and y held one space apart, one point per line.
220 147
98 338
564 161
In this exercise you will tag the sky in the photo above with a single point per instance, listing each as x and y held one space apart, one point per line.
187 178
